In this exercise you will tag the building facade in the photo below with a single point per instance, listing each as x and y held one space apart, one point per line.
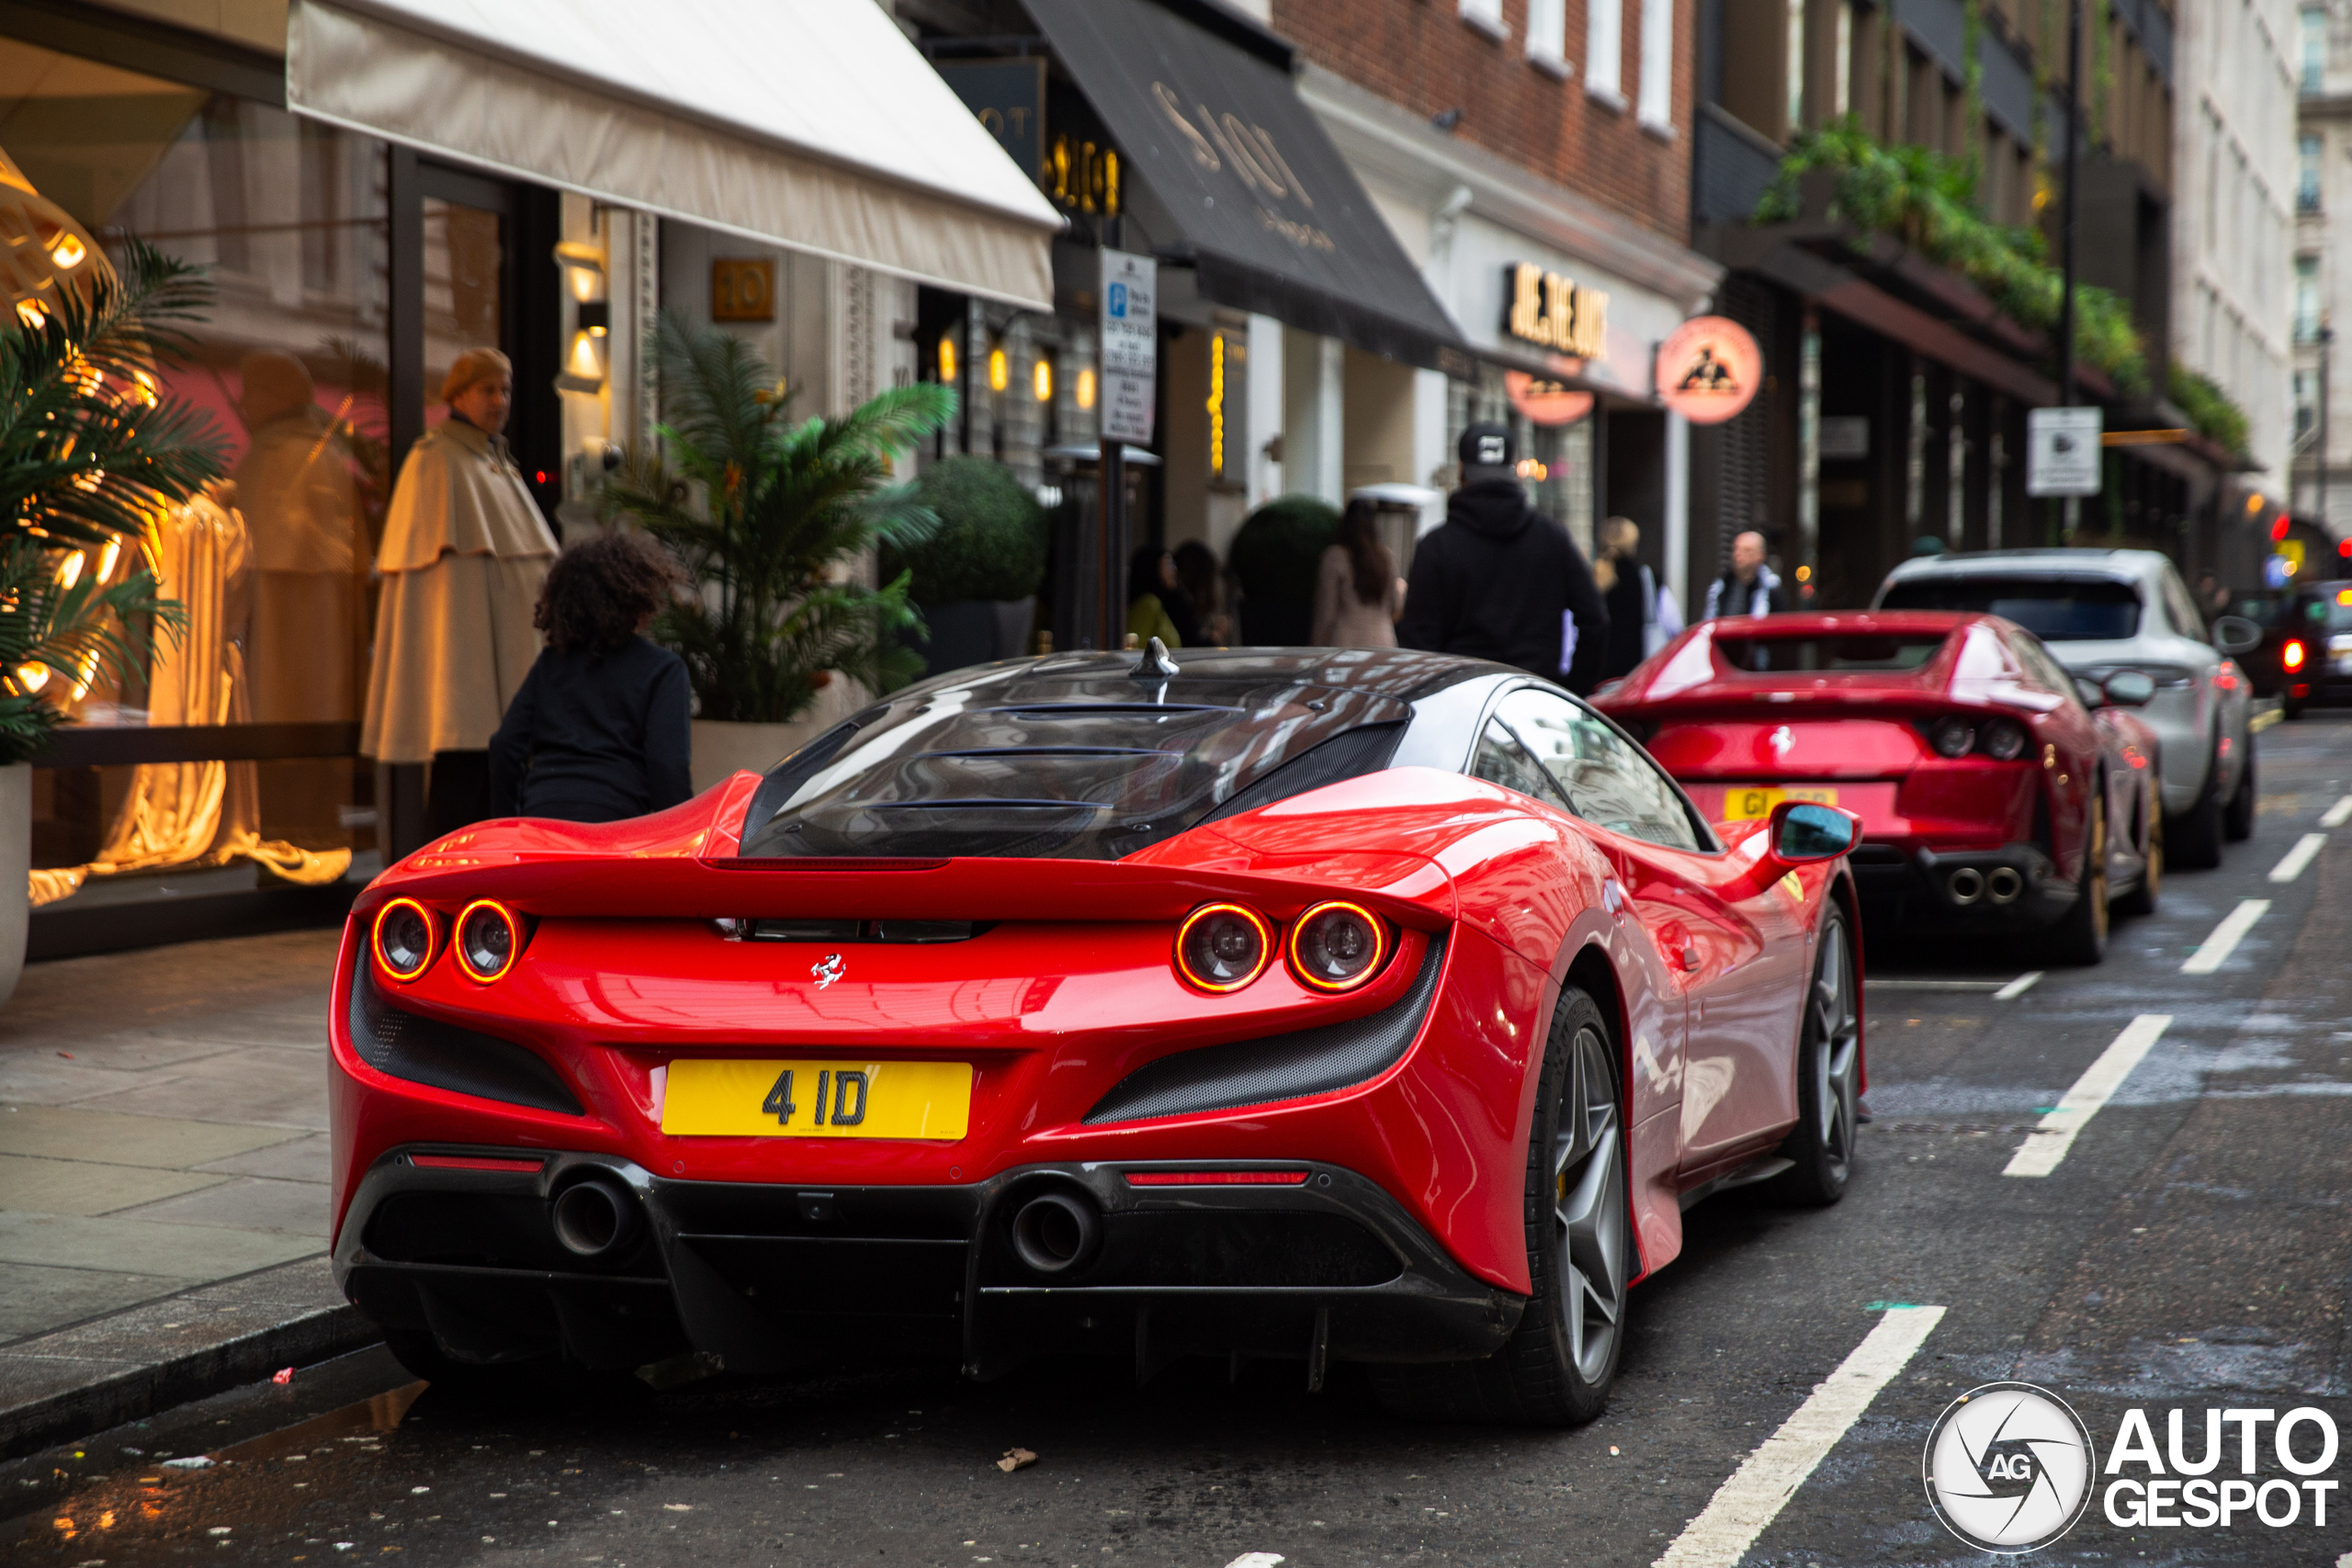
359 234
2321 283
2234 211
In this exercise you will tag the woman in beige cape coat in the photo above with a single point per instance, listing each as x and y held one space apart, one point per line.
464 551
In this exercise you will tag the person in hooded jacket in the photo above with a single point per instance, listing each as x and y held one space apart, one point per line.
1498 579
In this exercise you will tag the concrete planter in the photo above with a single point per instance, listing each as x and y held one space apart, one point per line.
723 747
15 866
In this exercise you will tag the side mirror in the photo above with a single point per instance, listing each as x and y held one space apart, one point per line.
2131 689
2234 635
2094 695
1806 830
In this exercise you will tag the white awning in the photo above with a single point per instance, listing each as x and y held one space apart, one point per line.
812 124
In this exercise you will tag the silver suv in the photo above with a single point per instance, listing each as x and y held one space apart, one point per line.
2101 612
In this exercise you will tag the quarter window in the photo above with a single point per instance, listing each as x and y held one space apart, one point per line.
1606 778
1501 759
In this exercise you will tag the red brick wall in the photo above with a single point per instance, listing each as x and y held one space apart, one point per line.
1422 54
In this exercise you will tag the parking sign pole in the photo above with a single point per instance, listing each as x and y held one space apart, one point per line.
2071 509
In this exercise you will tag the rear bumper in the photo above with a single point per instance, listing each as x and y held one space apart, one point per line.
2015 887
772 1277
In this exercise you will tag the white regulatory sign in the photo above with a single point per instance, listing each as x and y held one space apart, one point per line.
1130 339
2061 451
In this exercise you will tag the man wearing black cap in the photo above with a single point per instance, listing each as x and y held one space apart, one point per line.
1500 580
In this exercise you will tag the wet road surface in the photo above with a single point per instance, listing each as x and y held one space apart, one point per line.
2188 1247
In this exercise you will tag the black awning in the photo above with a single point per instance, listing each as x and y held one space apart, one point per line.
1272 218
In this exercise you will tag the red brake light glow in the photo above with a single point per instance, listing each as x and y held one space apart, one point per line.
403 938
474 1162
1337 946
1223 947
489 940
2291 656
1217 1178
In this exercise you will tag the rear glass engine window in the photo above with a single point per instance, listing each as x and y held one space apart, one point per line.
1773 654
1089 764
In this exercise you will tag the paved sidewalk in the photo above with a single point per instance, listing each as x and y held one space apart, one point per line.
162 1130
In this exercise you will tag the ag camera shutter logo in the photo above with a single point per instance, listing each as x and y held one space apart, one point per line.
2008 1468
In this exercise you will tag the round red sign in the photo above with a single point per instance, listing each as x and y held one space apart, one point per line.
1709 369
1545 402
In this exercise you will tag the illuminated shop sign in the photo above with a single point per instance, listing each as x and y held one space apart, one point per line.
1555 312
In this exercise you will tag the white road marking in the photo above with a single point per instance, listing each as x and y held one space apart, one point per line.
2290 865
2339 814
1757 1492
2227 937
2017 987
2048 1143
1879 985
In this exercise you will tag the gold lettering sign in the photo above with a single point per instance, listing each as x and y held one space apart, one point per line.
743 289
1555 311
1084 177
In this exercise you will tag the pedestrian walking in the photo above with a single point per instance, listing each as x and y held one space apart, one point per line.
1498 579
1157 605
1748 587
465 554
1197 570
600 729
1642 619
1358 594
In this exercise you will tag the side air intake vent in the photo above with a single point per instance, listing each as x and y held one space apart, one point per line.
1280 1067
410 1045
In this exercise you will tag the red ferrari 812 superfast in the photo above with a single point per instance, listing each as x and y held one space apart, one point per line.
1368 1006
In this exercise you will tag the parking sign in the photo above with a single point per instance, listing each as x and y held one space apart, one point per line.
2061 451
1130 341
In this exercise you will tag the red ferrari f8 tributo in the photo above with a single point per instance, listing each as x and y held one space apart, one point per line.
1368 1005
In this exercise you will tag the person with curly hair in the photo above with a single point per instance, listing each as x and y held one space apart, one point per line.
599 728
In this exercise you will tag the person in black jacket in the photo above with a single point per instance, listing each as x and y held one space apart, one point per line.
1498 579
599 728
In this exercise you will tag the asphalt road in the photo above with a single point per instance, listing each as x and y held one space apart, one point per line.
2189 1250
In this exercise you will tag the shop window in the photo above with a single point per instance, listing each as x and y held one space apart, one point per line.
290 366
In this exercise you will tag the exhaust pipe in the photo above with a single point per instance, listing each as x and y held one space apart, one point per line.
1967 885
2004 886
1056 1233
595 1218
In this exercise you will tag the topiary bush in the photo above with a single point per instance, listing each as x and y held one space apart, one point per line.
991 538
1274 557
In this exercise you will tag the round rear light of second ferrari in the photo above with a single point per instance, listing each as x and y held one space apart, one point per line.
488 937
1953 737
1338 946
2003 740
1223 947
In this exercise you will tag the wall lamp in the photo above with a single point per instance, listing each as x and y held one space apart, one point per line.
587 355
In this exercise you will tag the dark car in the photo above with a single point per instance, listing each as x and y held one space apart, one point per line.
2316 651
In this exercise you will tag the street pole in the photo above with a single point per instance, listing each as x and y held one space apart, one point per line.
1112 598
2073 509
2327 336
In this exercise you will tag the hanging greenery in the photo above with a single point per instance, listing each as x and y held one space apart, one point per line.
2209 408
1928 202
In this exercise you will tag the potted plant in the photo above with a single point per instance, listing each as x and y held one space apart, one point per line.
1273 557
773 518
89 451
977 577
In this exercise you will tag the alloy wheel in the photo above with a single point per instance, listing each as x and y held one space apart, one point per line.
1836 1060
1588 1188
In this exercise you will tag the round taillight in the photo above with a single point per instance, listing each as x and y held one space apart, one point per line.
1223 947
1952 737
403 938
1338 946
2003 740
487 939
2291 656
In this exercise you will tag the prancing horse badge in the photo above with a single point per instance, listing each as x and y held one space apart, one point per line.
826 970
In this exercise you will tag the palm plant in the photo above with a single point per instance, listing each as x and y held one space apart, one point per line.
762 510
91 454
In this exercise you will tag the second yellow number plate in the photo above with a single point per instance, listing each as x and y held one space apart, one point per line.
1755 805
712 1099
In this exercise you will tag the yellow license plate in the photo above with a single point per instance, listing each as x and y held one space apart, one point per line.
1755 805
711 1099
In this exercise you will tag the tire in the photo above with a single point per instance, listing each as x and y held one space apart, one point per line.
2195 836
1559 1364
1829 1060
2080 937
2237 817
2142 899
